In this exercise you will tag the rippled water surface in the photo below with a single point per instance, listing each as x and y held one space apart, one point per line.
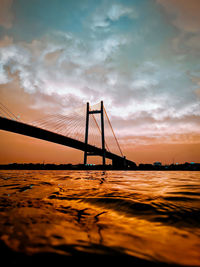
154 216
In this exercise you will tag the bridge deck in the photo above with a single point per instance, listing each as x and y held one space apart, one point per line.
33 131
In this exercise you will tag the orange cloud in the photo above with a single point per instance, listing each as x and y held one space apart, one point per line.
166 153
140 148
5 41
184 14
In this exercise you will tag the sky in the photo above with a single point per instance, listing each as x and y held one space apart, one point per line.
141 57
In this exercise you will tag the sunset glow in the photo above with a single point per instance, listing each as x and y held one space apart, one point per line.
140 57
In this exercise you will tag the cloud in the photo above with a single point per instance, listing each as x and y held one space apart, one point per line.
58 64
184 14
143 127
107 14
152 98
132 141
6 41
117 11
148 95
186 44
6 15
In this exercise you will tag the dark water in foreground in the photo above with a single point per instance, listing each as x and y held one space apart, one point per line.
145 216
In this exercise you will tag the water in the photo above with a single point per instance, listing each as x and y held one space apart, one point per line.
145 216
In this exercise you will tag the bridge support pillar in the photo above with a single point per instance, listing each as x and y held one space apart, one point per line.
86 132
102 135
116 164
119 164
89 112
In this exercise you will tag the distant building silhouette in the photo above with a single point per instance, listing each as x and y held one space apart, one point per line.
157 163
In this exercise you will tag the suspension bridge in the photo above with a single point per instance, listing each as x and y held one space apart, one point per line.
87 129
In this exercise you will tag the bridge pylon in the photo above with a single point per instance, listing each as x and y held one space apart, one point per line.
88 113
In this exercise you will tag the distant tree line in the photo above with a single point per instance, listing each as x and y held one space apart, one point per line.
145 167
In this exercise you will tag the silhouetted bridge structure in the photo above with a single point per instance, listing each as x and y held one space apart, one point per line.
57 129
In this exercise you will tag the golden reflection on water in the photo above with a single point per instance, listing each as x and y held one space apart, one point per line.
150 215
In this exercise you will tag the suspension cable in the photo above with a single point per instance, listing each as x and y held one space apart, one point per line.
100 130
113 132
8 112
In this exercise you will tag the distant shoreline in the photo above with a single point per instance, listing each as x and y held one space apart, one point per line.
141 167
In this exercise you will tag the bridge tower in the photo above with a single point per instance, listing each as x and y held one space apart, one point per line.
88 113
